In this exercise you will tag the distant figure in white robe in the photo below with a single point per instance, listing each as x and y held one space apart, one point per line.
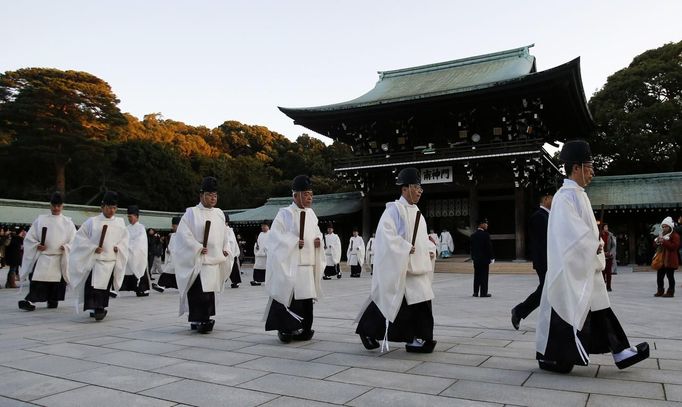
45 263
201 257
98 258
575 317
399 308
295 266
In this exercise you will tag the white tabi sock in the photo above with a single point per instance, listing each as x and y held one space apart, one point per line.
627 353
417 342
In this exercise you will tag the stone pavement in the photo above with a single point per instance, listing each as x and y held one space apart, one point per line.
143 354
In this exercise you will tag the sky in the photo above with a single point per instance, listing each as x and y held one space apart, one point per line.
205 62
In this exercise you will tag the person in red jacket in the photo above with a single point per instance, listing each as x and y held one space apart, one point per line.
669 242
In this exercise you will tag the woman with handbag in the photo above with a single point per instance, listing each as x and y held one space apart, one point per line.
668 243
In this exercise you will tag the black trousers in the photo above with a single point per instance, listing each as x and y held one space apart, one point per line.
281 320
201 304
41 291
96 298
259 275
355 270
412 321
131 283
167 280
481 278
533 301
235 275
666 272
330 271
602 333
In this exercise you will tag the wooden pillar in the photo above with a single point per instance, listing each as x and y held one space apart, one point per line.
366 224
473 207
520 222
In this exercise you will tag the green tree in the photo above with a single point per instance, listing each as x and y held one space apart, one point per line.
51 114
638 115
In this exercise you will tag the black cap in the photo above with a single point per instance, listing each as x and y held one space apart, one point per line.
301 183
175 220
56 198
576 151
133 210
330 225
481 220
355 229
408 176
209 184
110 198
265 222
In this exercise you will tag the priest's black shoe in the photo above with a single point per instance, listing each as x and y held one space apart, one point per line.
234 285
338 275
205 327
486 295
369 343
255 283
642 353
26 305
99 314
142 293
515 320
424 347
193 325
326 278
113 294
555 366
305 335
158 288
52 304
475 295
285 337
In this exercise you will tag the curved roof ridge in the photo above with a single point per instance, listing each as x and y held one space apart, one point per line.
515 52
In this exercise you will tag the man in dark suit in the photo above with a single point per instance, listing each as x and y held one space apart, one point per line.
482 256
538 248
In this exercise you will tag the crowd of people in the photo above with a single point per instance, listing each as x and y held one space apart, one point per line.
572 256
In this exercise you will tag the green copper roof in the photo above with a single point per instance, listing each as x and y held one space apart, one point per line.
16 211
323 205
460 75
659 190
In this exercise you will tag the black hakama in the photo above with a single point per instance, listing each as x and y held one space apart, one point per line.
330 271
42 291
95 298
259 275
167 280
280 319
201 304
413 321
601 333
235 277
355 270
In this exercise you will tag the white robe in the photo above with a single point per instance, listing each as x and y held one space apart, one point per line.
137 250
434 237
232 244
446 242
260 251
369 254
573 284
293 272
356 251
397 273
213 267
169 267
332 252
83 259
53 263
